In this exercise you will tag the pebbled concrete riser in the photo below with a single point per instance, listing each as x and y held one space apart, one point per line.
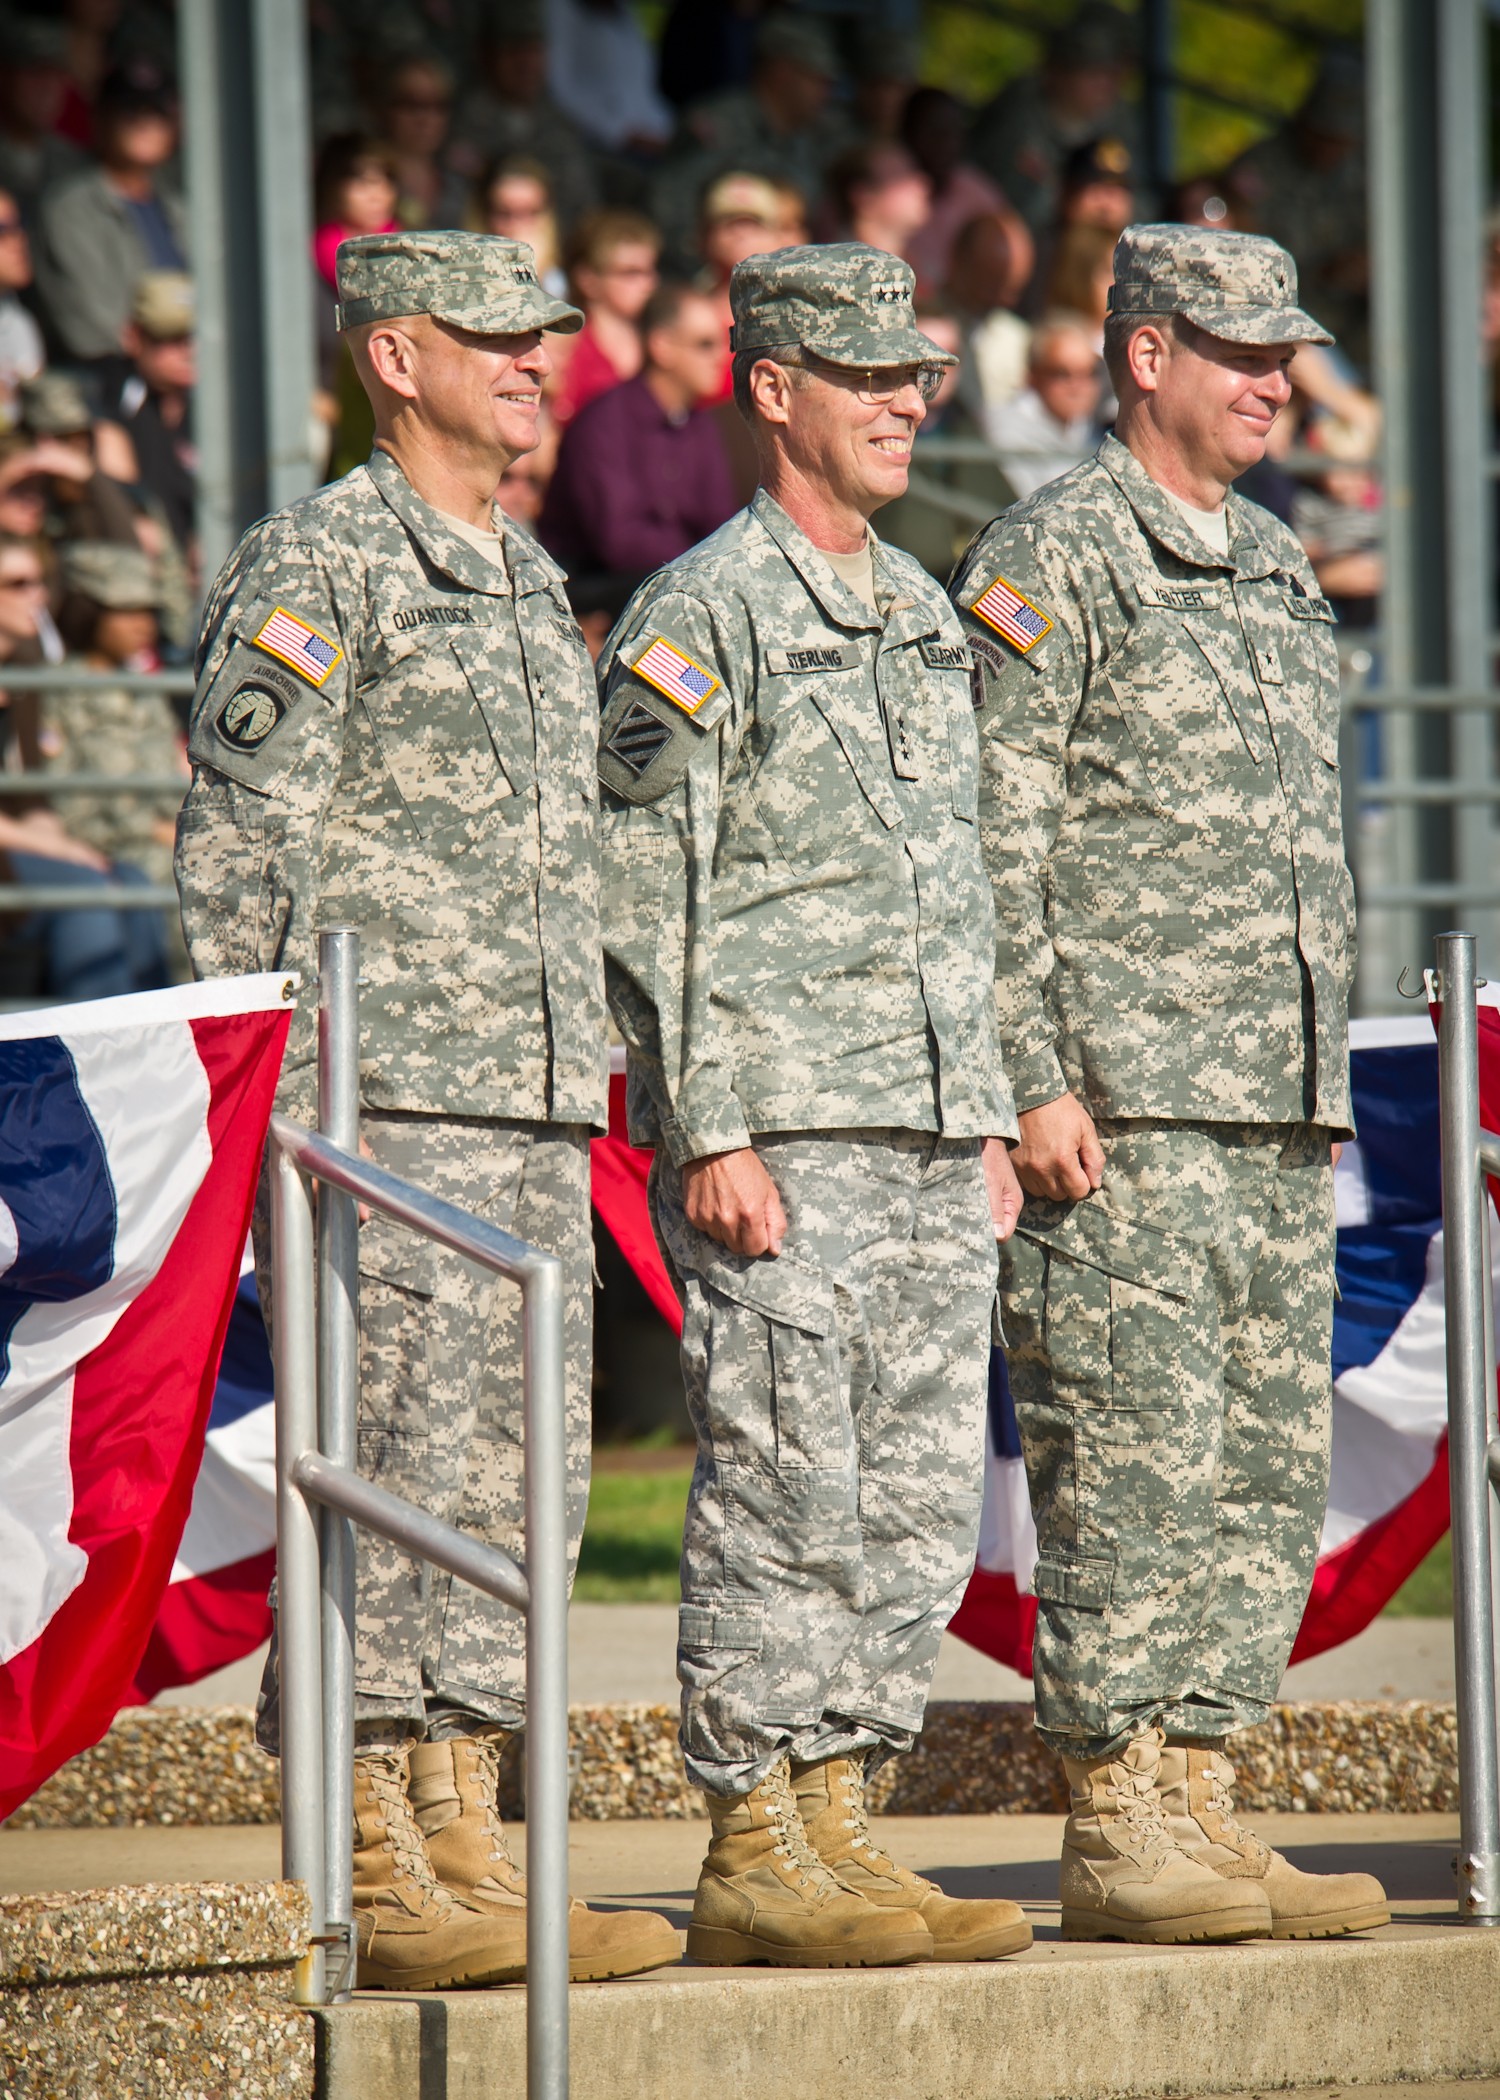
1054 2025
199 1765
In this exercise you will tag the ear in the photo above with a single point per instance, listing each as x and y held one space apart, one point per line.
771 390
392 355
1146 356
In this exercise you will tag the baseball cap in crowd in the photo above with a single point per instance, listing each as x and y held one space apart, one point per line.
123 579
479 281
801 41
163 305
1240 287
847 303
53 406
741 196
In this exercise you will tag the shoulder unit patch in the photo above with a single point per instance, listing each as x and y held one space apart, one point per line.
1012 615
686 684
310 654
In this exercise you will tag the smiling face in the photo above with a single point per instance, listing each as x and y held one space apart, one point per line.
856 452
1213 402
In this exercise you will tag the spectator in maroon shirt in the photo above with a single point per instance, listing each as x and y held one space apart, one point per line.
642 474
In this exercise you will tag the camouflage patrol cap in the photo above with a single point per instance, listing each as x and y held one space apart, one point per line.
123 579
845 302
53 406
475 280
163 305
1240 287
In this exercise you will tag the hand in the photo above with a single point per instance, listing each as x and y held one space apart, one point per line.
64 462
1059 1155
39 831
730 1197
1004 1189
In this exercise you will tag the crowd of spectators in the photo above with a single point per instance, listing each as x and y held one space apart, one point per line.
640 176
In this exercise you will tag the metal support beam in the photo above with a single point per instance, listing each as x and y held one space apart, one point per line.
1471 1411
338 1409
1157 84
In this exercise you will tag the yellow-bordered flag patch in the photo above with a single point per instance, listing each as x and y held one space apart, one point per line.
686 684
310 654
1012 615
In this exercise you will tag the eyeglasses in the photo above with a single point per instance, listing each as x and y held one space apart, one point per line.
23 583
876 386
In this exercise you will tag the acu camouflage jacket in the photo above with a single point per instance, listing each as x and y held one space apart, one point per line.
391 732
797 924
1160 806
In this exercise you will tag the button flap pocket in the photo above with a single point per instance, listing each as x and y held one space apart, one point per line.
722 1626
1124 1247
1086 1585
503 703
390 1253
1241 692
780 1289
871 764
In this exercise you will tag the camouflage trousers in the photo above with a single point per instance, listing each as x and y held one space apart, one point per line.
440 1415
838 1394
1168 1348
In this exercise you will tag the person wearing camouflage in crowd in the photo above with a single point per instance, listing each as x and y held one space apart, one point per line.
1157 698
797 927
394 728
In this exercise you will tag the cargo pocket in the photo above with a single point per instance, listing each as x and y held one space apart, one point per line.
792 1308
397 1282
1117 1297
1080 1585
718 1665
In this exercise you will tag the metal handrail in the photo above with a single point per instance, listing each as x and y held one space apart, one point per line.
74 678
1468 1154
319 1496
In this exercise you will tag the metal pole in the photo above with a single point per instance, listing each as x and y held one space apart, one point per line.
299 1660
1470 1409
1391 307
1156 99
283 129
338 1409
1463 187
546 1685
200 28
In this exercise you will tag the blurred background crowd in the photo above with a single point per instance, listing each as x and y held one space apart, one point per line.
642 151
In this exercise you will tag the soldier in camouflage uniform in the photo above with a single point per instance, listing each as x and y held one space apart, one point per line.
394 727
797 928
1158 706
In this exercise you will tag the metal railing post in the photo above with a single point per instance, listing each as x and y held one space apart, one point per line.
338 1408
297 1556
546 1684
1470 1410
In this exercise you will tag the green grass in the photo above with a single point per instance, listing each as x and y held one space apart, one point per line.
1427 1593
633 1538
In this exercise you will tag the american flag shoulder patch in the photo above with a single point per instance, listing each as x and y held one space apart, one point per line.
686 684
310 654
1012 615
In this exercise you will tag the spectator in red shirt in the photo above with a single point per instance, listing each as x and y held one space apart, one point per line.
356 193
642 474
611 258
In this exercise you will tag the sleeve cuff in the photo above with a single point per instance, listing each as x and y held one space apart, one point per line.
1036 1077
720 1128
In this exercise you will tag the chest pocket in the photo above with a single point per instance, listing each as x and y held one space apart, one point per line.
822 775
927 696
1190 709
433 702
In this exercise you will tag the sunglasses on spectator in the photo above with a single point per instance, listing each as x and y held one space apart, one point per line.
11 226
1088 371
23 583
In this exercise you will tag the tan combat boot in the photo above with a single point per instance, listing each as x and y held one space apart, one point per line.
412 1935
1197 1787
764 1895
831 1802
1124 1877
454 1789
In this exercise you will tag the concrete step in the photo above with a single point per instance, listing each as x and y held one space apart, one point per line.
1417 2003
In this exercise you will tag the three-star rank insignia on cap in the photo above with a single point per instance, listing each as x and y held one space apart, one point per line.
1012 615
686 684
310 654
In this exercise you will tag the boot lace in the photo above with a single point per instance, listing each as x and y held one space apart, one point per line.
488 1764
857 1819
792 1842
1139 1807
388 1785
1231 1831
